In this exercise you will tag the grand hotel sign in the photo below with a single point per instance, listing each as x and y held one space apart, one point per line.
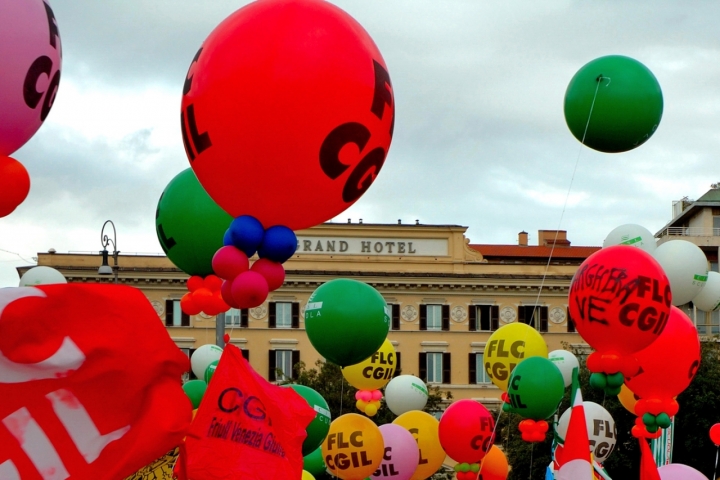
410 247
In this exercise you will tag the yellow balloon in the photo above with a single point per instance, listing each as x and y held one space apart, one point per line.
627 399
307 475
353 448
424 428
374 372
507 347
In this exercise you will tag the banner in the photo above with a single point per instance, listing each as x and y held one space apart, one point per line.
89 382
662 446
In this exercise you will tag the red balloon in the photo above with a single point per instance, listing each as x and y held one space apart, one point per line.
195 282
669 364
212 283
229 262
14 185
715 434
273 272
620 299
188 305
287 112
465 431
249 289
202 298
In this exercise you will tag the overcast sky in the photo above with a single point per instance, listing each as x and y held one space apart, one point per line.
480 139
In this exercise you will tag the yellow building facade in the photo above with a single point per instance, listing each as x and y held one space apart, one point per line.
446 297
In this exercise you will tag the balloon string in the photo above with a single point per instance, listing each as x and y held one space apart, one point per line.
716 462
532 449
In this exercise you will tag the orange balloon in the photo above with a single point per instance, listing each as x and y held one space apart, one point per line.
14 185
494 465
424 428
353 448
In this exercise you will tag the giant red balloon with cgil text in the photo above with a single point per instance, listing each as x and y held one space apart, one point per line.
620 299
287 112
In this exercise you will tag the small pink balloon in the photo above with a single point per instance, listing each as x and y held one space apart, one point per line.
226 292
30 54
273 272
678 471
376 394
401 453
229 262
249 289
364 395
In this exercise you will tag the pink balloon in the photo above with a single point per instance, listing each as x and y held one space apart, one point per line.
30 55
229 262
401 453
226 293
273 272
249 289
678 471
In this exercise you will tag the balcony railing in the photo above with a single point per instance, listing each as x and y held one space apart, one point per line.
690 232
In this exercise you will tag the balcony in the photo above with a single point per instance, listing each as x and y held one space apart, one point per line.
689 232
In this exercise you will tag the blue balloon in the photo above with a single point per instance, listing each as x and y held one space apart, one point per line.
279 244
227 238
246 234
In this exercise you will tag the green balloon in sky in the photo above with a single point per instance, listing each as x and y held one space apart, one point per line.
318 429
346 321
627 108
535 388
190 225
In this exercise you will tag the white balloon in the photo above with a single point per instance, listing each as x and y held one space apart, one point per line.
633 235
405 393
601 429
565 362
41 276
686 268
708 299
203 357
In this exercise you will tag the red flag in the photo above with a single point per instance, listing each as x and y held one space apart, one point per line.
90 383
574 458
246 427
648 468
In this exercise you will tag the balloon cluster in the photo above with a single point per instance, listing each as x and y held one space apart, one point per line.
466 471
245 286
204 296
533 431
368 401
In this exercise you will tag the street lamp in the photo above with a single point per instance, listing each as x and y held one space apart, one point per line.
105 268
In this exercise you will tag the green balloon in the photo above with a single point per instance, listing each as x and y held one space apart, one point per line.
535 388
627 109
346 321
189 224
195 390
210 370
313 462
318 429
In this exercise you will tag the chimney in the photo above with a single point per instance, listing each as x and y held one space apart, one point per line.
546 238
523 239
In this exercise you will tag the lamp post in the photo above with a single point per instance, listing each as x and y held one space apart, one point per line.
105 268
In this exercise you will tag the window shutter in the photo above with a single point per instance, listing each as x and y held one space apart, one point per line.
521 314
244 318
295 361
423 317
446 368
494 317
395 316
295 315
446 318
543 319
168 313
398 368
246 354
271 314
472 315
570 323
472 368
271 366
184 319
423 366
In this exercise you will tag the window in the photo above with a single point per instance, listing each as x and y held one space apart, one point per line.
398 368
716 225
236 318
435 317
435 367
174 316
395 320
281 363
534 315
484 318
708 323
284 315
476 368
